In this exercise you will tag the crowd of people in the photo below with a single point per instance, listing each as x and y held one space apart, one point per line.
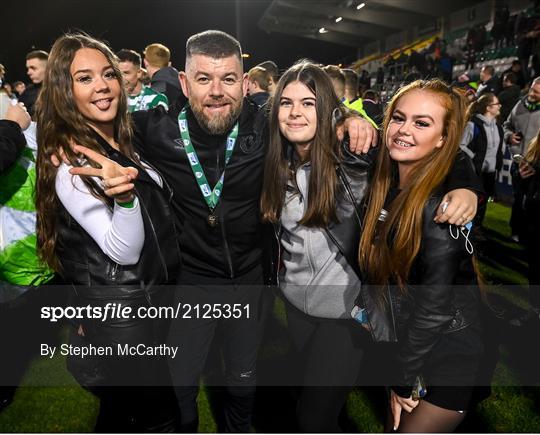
210 187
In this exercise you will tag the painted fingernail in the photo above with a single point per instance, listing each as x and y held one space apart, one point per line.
395 427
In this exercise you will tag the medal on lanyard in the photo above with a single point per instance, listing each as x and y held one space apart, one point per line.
211 196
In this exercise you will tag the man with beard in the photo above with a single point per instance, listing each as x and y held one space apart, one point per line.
212 153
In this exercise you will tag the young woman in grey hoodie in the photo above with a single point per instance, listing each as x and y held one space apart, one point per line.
312 191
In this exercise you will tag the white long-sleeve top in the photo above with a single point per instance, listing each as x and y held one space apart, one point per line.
118 232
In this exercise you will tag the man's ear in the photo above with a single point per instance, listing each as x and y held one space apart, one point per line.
245 83
183 83
139 74
145 63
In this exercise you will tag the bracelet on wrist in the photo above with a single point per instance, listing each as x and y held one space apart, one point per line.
127 204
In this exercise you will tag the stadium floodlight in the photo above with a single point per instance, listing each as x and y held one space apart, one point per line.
360 6
323 30
338 19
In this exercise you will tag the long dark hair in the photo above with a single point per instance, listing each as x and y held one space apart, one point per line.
380 259
323 154
60 123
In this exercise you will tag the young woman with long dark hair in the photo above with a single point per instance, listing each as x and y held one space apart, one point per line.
420 271
104 224
312 192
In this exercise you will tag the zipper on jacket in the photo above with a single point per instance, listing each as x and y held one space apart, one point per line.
277 232
113 272
351 195
390 302
226 247
222 225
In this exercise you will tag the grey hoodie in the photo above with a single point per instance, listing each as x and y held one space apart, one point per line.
317 279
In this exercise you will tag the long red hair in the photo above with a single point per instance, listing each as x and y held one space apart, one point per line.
389 248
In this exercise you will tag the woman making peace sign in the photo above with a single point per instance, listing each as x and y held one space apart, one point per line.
104 224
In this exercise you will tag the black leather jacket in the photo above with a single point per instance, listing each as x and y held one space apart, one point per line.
97 281
435 309
354 173
478 145
85 265
442 297
232 248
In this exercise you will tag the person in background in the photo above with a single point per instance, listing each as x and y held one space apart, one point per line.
373 106
36 66
517 70
337 77
351 84
19 88
488 81
380 77
482 141
509 95
163 76
22 275
140 97
273 69
529 178
259 82
338 80
520 128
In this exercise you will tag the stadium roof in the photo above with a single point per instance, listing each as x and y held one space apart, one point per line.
359 25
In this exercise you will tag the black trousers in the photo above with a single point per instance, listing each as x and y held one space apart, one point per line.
135 391
209 300
332 352
517 218
488 182
532 246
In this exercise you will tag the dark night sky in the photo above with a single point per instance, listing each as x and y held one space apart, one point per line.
135 24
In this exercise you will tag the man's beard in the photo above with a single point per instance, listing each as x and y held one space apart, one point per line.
217 125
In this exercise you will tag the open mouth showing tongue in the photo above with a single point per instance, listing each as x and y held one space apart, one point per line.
103 104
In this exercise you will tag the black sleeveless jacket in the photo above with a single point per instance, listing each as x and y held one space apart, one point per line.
478 145
84 263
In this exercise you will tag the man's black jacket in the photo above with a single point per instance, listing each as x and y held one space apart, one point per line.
12 142
233 247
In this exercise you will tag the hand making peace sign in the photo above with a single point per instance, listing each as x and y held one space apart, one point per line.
117 179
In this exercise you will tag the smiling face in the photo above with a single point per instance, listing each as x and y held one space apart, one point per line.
534 93
96 89
297 114
215 88
415 129
132 77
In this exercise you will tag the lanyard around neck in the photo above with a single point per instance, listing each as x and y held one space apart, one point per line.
211 196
